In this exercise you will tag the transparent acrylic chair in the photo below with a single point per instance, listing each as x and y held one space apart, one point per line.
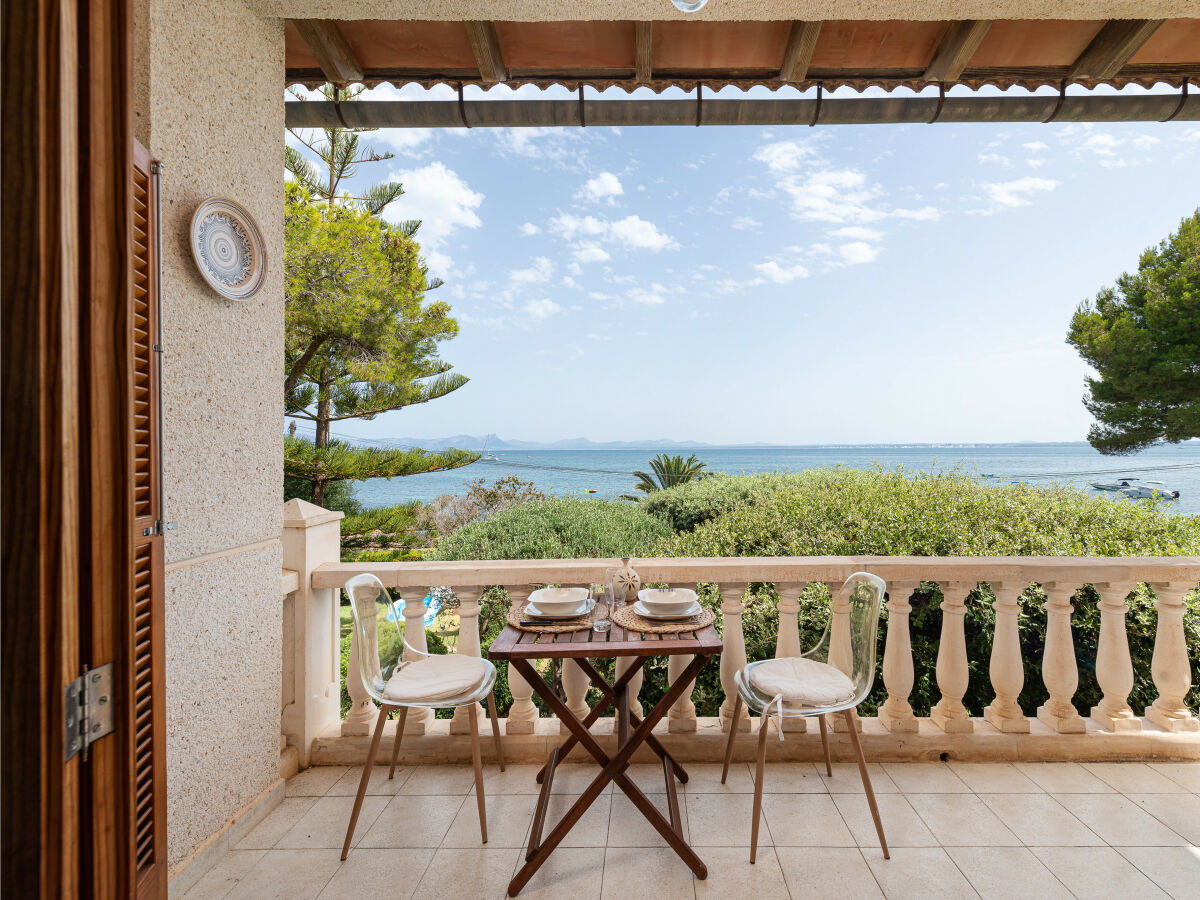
833 677
426 681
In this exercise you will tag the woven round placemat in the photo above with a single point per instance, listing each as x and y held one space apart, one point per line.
517 613
631 621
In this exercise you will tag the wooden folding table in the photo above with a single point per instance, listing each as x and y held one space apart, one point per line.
522 647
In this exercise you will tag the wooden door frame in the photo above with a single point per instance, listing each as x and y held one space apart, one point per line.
65 465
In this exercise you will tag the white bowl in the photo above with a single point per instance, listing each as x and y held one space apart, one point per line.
672 600
559 600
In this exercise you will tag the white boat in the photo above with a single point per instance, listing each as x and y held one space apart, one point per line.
1119 485
1155 490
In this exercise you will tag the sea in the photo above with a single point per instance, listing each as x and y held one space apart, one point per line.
608 473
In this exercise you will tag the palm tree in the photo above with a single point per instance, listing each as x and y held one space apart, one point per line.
668 471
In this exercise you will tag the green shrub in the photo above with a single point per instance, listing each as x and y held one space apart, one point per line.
693 503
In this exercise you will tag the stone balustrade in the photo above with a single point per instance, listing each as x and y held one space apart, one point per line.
1001 730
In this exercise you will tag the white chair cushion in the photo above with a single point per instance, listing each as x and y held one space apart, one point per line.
436 678
803 681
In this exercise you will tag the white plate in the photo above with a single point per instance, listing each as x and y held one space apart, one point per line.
582 610
640 609
674 601
558 601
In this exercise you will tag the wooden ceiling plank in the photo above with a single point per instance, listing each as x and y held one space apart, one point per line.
1113 47
799 53
330 49
958 45
643 51
486 46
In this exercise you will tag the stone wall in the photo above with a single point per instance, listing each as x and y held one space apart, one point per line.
209 90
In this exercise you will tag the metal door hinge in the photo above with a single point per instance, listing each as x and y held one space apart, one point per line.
159 528
88 710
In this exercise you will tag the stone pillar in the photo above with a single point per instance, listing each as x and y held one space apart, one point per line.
360 718
311 538
468 645
952 673
418 718
896 714
733 653
523 715
787 640
1170 665
575 686
635 683
1060 674
1114 668
1006 668
841 646
681 717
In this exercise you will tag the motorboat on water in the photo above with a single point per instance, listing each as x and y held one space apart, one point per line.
1155 490
1119 485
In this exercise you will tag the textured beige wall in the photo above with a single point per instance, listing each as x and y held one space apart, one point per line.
215 121
726 10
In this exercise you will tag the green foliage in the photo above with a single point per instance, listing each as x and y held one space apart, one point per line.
449 512
339 495
1142 337
695 502
667 471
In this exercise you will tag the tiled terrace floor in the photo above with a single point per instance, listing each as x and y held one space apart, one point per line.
1026 830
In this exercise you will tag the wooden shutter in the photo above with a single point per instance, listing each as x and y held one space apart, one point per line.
148 787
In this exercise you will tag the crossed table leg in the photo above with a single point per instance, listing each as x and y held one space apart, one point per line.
612 767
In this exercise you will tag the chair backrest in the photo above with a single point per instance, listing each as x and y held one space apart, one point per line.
377 631
853 629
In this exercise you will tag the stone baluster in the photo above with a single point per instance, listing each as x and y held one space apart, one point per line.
635 683
575 687
523 714
468 645
787 639
418 719
681 718
1006 668
1114 668
733 653
841 646
896 713
952 673
360 718
1170 665
1060 674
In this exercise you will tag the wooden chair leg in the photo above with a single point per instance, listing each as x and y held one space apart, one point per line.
737 711
866 780
396 742
477 759
366 776
759 772
825 745
496 729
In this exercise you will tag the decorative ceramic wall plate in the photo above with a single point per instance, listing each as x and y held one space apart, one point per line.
228 248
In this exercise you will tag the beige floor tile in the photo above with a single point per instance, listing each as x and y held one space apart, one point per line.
1185 774
314 781
1040 821
590 831
994 778
378 784
440 781
925 778
846 779
574 872
820 873
962 821
325 823
1132 778
1180 812
1119 820
901 825
627 827
478 872
1174 869
288 875
705 778
1006 872
790 778
276 824
724 820
374 873
638 873
1063 778
573 778
515 779
649 777
1096 872
413 822
508 818
221 878
922 873
803 820
731 875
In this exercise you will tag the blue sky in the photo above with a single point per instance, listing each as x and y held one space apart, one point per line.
793 285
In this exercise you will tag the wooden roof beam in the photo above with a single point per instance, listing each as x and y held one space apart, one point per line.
799 53
486 46
643 51
958 45
330 49
1113 47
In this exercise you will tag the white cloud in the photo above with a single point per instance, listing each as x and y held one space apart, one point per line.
1035 146
784 268
858 252
784 156
569 225
528 229
1016 193
534 143
603 187
745 223
442 201
631 231
654 295
923 214
538 273
591 252
997 158
857 233
542 309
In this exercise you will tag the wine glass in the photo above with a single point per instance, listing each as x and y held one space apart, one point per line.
603 593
